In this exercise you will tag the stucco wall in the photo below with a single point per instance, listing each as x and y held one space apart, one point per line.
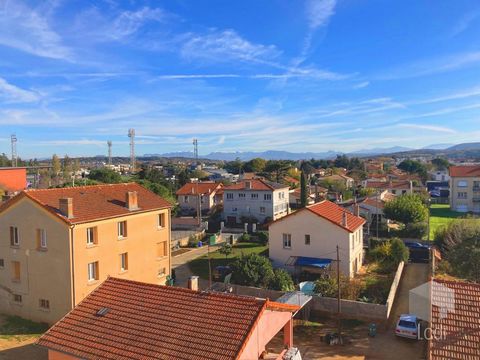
324 237
44 274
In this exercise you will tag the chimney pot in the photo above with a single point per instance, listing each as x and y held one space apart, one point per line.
131 200
193 283
66 207
344 221
356 210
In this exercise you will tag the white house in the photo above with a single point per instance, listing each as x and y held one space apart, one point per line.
255 199
309 237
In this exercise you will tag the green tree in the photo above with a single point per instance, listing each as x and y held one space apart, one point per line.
440 163
234 167
226 249
406 209
326 287
67 168
464 258
399 251
107 176
278 168
256 165
158 189
252 270
303 190
449 236
56 165
281 281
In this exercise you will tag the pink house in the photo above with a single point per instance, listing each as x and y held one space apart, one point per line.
124 319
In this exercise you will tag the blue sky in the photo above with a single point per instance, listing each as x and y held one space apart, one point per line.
248 75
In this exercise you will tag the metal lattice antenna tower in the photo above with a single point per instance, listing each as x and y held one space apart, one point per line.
195 150
13 139
109 143
131 135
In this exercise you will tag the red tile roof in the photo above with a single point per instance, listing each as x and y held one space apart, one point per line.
405 185
460 326
95 202
203 188
334 213
147 321
373 203
465 171
13 179
256 184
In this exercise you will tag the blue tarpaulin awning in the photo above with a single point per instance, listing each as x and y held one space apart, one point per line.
314 262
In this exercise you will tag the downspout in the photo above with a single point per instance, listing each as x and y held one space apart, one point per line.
73 264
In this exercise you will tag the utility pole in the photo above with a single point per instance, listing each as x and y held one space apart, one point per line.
338 295
109 143
195 151
131 135
209 266
376 212
13 140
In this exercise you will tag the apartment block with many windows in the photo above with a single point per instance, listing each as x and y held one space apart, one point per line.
465 188
58 245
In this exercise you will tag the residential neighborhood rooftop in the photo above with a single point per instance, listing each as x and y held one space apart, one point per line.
202 187
465 171
256 184
146 321
93 202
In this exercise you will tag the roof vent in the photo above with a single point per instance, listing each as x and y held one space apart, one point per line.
102 312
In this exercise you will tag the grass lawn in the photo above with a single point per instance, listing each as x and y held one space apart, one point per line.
199 266
12 327
440 214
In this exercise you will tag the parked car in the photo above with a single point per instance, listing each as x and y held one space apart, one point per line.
416 245
419 253
408 326
220 272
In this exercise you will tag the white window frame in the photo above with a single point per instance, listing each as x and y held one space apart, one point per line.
161 220
122 229
92 271
267 197
287 241
254 196
16 236
43 238
124 261
91 236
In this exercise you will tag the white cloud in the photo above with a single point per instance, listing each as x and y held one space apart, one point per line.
319 12
428 127
464 23
226 45
14 94
361 85
24 29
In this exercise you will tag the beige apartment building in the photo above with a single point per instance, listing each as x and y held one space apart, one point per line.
465 188
58 245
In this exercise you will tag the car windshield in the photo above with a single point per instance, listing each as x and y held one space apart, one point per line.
407 324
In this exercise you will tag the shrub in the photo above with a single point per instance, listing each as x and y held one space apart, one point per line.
414 230
244 238
399 251
252 270
326 286
193 241
389 255
262 237
281 281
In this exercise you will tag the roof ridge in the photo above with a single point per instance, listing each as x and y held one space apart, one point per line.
80 187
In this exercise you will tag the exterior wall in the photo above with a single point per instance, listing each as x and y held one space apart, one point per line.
44 274
324 237
189 202
472 190
269 324
247 206
143 237
55 355
13 179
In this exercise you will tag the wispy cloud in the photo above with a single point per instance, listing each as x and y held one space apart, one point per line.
462 94
319 12
13 94
25 29
464 23
361 85
427 127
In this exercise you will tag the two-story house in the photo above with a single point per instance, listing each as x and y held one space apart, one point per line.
207 194
255 199
58 245
465 188
309 238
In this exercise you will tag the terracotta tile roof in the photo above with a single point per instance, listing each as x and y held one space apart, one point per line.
13 179
464 171
461 325
147 321
373 203
204 187
334 213
401 185
95 202
256 184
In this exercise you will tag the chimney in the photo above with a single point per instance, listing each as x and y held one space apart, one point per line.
193 283
248 184
131 200
66 207
356 210
344 219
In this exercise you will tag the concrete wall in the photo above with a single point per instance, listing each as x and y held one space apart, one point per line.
349 308
324 237
181 237
394 287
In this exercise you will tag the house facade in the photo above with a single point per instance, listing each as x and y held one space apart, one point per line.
255 199
465 188
209 194
315 232
58 245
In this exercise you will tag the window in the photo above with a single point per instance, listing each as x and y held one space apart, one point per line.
462 183
122 229
287 241
91 236
234 209
124 262
462 195
307 239
14 238
2 263
185 199
241 195
202 199
162 249
162 271
161 220
44 304
16 271
41 239
267 196
254 196
17 298
229 196
93 271
262 209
